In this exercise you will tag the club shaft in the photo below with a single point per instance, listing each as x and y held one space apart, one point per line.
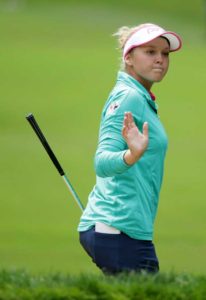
72 191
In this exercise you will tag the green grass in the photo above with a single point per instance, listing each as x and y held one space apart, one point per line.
59 61
20 285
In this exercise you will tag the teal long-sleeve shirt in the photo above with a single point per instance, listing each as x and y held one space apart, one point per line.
126 197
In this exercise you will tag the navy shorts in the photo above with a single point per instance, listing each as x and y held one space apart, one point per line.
115 253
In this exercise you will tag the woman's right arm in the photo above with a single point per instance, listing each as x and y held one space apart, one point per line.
137 142
121 143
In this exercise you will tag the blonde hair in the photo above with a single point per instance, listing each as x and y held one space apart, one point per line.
123 34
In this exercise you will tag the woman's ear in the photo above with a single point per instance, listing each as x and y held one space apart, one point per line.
128 59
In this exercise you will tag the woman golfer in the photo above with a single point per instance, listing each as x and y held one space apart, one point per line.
116 228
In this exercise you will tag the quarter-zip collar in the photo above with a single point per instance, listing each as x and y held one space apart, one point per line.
132 82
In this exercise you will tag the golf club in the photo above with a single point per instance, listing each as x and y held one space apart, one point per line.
30 118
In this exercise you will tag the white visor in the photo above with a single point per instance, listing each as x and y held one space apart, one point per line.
148 32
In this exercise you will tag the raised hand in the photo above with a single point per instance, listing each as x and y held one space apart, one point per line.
137 142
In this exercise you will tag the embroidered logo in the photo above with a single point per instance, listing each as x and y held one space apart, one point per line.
112 108
152 29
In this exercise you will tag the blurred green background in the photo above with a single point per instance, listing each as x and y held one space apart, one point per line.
58 60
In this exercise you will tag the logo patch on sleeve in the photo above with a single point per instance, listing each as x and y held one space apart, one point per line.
113 107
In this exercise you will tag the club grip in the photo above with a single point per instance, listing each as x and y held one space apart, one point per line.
30 118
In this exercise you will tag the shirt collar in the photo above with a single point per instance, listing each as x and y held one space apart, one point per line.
152 96
131 81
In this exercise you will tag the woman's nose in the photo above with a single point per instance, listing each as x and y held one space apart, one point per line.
159 58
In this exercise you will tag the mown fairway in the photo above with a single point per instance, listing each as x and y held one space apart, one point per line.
58 60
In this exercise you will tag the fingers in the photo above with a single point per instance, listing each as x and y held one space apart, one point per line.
145 129
128 120
129 123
